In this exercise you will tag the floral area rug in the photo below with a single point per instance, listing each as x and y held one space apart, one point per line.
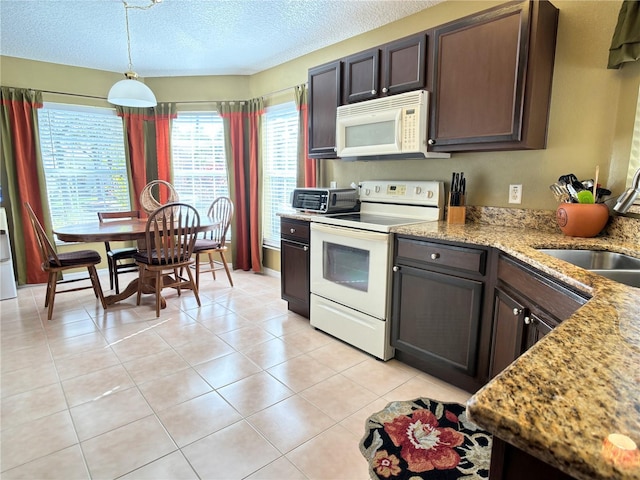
425 439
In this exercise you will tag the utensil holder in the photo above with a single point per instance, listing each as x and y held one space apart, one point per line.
456 215
582 219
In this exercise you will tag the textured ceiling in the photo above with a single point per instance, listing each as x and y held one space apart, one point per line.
187 37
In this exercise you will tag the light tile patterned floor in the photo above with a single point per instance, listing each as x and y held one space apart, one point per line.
238 388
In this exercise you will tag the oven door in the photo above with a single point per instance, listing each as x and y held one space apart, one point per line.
351 267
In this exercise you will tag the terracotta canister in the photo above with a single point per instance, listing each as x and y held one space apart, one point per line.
582 219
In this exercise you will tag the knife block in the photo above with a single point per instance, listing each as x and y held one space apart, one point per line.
456 215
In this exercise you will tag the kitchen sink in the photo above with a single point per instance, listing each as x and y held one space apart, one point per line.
628 277
616 266
594 259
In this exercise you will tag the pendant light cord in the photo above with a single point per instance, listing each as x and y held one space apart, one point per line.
126 18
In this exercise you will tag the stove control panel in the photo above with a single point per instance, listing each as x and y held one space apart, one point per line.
410 192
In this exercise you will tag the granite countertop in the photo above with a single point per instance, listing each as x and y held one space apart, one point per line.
304 216
562 398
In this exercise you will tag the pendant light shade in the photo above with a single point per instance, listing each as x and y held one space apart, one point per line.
131 93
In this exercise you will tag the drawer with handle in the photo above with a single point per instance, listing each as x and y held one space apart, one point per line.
297 230
448 256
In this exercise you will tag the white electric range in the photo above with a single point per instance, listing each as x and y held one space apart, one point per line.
351 255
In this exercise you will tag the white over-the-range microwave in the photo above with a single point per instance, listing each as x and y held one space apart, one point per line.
390 127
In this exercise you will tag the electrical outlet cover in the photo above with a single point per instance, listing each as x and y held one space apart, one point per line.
515 193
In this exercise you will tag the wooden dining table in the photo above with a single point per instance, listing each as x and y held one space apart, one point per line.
119 230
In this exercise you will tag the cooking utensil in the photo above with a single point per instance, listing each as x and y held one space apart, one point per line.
572 192
601 193
595 181
559 192
571 179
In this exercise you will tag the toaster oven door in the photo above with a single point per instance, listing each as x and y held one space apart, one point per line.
310 200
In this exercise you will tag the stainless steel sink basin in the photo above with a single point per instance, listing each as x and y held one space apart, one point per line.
595 259
616 266
628 277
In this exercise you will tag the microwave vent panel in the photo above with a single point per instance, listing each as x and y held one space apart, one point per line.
408 99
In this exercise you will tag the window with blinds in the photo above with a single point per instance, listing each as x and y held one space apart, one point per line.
84 162
198 156
280 151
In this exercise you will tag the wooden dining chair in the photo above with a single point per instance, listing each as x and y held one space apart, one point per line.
53 263
119 260
221 210
169 235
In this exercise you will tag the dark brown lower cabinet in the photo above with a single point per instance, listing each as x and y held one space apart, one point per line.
294 265
464 313
527 306
516 328
511 463
438 310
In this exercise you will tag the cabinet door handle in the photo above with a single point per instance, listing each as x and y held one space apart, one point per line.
396 268
292 230
435 256
305 248
516 312
431 141
373 92
385 89
527 320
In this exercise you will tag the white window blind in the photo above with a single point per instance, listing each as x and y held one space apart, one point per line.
280 150
84 162
198 156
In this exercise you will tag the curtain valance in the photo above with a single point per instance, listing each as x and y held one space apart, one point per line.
625 44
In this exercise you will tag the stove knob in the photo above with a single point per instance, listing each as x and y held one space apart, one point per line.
418 190
367 191
429 194
377 188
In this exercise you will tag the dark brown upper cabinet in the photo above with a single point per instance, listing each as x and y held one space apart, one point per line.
405 63
324 97
362 76
492 79
396 67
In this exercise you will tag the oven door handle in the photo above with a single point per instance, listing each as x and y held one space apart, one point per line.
350 232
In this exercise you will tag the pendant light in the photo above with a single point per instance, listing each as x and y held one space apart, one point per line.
131 92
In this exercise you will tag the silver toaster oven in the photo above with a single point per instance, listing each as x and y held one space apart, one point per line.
325 200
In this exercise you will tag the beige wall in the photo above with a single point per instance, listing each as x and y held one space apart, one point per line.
590 123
